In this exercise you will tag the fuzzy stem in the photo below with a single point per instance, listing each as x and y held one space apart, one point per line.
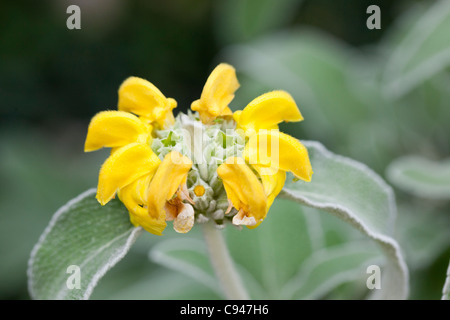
223 264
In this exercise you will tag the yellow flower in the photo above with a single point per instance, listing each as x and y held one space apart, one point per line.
116 129
170 178
271 165
278 151
141 97
244 190
133 170
267 111
123 167
149 171
150 199
217 94
268 152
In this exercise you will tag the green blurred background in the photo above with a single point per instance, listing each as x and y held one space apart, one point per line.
373 95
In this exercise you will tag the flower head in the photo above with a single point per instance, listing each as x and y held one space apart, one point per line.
211 165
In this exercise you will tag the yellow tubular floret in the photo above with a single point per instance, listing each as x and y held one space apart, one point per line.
115 129
244 190
217 93
267 111
170 175
123 167
141 97
277 150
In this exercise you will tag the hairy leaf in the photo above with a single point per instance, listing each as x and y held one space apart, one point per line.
354 193
421 177
423 52
83 234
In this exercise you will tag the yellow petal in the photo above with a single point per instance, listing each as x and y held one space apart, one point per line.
144 99
217 93
141 218
243 189
267 111
123 167
170 175
115 129
273 181
134 197
279 151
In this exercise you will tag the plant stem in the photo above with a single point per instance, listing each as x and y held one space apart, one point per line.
223 264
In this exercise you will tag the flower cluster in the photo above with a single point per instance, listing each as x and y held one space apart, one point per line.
209 165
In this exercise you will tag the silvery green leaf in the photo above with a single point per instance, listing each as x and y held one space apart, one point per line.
187 256
424 234
446 288
354 193
421 177
34 167
274 259
159 283
329 267
423 52
83 238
